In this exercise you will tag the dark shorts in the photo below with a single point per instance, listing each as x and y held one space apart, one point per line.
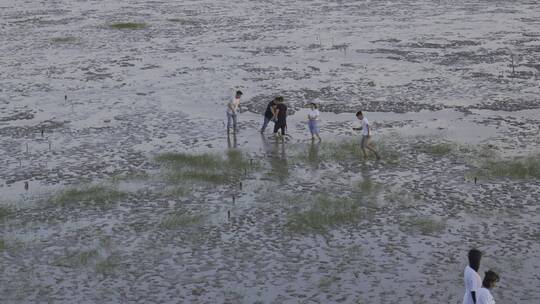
281 126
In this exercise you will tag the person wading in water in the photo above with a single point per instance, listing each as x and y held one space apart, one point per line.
269 114
281 118
366 142
232 110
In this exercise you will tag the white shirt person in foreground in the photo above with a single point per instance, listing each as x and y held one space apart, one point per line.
484 295
472 279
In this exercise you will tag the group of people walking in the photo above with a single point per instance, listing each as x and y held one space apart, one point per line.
276 111
477 291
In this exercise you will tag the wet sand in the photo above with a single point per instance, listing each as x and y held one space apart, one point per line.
426 75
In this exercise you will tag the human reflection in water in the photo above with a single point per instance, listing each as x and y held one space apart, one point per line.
232 144
367 189
277 156
313 154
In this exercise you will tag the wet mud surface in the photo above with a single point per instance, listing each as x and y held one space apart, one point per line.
85 104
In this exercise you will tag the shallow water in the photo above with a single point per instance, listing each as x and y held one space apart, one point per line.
82 103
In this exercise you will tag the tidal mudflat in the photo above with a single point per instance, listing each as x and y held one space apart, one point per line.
119 184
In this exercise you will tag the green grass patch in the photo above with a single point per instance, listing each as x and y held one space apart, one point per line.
486 151
422 225
279 168
67 39
206 168
198 176
108 265
178 191
345 150
128 26
387 153
437 149
367 186
236 160
89 195
325 152
3 245
517 168
326 213
77 259
339 151
179 160
311 157
365 193
175 221
4 212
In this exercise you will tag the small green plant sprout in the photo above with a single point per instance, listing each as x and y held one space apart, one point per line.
175 221
422 224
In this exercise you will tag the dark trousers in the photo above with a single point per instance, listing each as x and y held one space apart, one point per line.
265 123
280 125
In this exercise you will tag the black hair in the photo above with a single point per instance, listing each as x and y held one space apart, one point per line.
489 278
474 259
239 93
358 113
279 99
315 105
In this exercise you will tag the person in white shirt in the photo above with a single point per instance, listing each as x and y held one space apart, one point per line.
313 124
472 279
232 110
484 295
366 142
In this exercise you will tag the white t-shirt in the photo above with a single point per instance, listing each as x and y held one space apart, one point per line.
314 114
484 297
232 106
365 127
473 282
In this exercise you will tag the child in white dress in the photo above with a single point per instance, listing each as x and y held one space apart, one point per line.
484 295
313 121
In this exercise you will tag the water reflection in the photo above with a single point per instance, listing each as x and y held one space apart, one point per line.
313 154
275 151
232 144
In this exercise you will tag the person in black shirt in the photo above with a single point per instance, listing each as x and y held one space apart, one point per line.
269 114
281 116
